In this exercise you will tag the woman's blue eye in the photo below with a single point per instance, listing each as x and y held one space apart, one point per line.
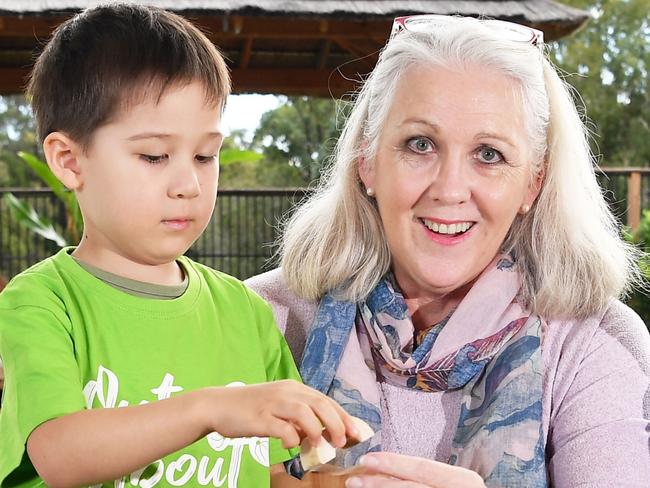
149 158
420 145
489 155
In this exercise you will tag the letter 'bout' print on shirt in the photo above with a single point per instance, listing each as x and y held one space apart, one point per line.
208 470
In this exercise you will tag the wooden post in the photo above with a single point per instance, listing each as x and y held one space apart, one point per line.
634 200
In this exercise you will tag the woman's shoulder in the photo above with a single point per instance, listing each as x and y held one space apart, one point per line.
579 353
623 330
621 321
293 314
616 326
270 285
597 380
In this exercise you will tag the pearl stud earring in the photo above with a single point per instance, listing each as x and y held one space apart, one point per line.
525 208
370 192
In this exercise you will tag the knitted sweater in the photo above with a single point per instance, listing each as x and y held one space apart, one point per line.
596 395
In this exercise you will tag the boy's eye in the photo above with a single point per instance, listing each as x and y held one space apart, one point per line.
149 158
206 159
420 145
489 155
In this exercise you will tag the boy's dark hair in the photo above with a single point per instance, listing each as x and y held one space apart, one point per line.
108 57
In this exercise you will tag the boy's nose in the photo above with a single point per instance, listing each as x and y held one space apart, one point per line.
184 183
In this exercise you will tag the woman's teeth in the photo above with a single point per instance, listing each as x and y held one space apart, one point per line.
456 228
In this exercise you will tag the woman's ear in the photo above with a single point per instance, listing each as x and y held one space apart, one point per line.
366 168
61 153
535 186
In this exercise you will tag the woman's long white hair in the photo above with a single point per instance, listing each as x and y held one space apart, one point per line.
568 246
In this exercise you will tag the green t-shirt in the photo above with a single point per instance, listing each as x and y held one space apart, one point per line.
70 341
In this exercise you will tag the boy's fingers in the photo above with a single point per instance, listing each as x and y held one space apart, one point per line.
361 431
332 421
304 418
351 428
284 431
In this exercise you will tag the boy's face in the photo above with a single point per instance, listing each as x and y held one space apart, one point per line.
149 178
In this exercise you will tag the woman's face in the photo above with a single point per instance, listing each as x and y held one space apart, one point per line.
452 170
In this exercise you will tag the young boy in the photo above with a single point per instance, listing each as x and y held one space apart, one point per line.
128 102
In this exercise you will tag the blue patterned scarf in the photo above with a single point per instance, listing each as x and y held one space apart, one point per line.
353 346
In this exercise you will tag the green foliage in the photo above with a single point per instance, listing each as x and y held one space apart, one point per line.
233 155
261 174
609 59
26 216
239 165
243 165
13 244
17 133
302 133
639 300
29 218
74 224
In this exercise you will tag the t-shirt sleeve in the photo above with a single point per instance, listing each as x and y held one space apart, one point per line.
42 379
600 425
279 364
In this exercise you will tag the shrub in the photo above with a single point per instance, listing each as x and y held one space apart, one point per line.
639 299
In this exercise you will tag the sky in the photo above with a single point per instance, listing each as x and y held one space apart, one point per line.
244 112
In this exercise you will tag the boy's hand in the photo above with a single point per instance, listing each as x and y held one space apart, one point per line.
286 409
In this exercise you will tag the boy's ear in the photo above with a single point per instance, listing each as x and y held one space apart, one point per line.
61 153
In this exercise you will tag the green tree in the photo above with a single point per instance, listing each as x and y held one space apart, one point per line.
245 165
17 133
301 132
609 59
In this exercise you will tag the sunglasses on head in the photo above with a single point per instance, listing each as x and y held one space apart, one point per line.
427 23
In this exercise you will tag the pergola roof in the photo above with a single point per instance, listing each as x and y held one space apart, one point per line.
313 47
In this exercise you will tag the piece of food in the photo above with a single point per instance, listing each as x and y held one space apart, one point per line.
311 455
365 432
324 452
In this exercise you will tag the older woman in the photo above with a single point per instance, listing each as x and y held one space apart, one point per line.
454 280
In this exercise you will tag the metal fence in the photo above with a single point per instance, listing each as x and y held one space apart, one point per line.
239 239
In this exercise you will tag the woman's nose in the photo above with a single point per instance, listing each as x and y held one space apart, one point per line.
451 183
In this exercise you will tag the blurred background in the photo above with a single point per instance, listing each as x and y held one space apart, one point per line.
295 67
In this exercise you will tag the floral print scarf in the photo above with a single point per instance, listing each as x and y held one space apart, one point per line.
489 347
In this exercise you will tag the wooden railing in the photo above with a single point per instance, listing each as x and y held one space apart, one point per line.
638 191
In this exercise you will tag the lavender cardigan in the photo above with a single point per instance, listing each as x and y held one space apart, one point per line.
596 396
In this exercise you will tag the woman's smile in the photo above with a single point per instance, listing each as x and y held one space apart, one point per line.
447 233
